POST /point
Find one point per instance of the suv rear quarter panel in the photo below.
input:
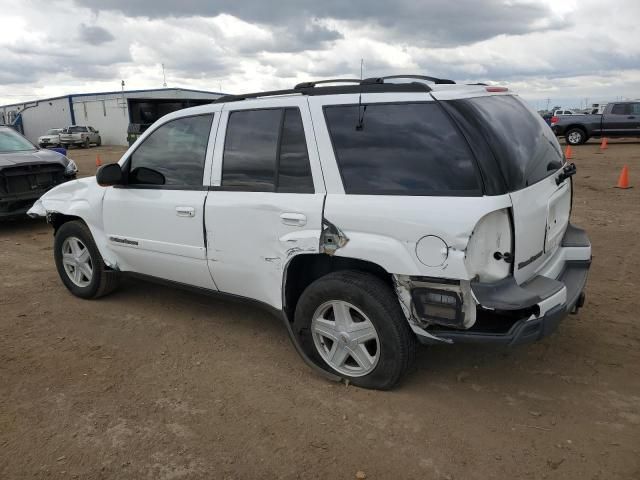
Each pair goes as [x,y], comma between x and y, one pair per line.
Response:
[386,229]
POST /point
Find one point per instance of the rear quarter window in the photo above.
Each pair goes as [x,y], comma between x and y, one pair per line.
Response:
[400,149]
[525,148]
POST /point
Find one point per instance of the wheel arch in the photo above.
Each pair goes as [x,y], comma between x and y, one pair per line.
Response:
[304,269]
[579,127]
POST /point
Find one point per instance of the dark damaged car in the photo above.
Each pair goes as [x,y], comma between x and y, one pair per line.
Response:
[27,172]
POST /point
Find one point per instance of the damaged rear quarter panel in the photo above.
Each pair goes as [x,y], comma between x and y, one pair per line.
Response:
[79,198]
[385,229]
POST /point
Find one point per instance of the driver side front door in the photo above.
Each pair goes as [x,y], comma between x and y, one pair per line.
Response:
[154,222]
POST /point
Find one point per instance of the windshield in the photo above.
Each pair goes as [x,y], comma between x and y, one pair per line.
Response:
[75,129]
[53,131]
[12,141]
[521,141]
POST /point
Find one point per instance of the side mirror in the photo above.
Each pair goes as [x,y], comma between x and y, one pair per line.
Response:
[109,174]
[96,131]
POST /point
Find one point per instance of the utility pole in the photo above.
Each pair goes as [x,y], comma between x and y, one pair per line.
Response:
[164,78]
[124,104]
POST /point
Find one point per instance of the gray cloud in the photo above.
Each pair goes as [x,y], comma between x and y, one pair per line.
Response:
[251,45]
[440,22]
[94,35]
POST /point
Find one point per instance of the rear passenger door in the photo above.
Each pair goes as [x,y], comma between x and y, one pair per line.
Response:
[267,198]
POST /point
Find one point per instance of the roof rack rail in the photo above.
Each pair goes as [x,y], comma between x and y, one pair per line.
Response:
[363,86]
[332,80]
[422,77]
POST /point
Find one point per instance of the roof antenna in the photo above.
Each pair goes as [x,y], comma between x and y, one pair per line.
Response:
[360,124]
[164,78]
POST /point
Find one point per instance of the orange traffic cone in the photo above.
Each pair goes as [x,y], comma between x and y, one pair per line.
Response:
[623,180]
[98,161]
[603,144]
[568,153]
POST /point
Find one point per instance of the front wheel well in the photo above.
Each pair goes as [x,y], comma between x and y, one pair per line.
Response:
[304,269]
[58,219]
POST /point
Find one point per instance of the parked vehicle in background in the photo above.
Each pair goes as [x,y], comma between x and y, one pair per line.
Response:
[370,216]
[27,172]
[547,117]
[50,139]
[619,119]
[80,135]
[558,113]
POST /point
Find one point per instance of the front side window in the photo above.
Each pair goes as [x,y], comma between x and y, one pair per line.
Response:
[174,154]
[12,141]
[266,151]
[400,149]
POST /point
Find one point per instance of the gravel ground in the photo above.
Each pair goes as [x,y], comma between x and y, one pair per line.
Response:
[156,383]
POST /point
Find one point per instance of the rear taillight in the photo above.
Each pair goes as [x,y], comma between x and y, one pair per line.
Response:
[554,119]
[489,253]
[496,89]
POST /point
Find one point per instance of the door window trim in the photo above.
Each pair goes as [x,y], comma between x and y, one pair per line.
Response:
[141,186]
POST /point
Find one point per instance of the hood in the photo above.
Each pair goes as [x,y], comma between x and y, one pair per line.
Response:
[11,159]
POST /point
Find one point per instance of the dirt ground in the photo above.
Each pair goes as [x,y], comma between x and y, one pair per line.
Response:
[155,383]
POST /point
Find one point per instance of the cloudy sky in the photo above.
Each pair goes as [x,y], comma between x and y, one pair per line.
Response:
[565,50]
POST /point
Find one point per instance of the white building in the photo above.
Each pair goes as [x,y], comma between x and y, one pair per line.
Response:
[109,112]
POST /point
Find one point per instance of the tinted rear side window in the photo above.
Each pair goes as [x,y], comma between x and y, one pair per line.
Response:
[621,109]
[250,150]
[294,171]
[266,151]
[401,149]
[524,146]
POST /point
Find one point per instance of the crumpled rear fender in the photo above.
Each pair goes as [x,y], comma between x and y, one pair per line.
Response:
[79,198]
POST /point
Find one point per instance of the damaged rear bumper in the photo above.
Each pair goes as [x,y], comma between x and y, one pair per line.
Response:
[511,314]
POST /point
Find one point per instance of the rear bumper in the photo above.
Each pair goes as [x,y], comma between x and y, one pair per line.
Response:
[538,306]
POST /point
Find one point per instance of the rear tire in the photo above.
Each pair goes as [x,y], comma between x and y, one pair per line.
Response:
[384,354]
[575,136]
[80,264]
[86,143]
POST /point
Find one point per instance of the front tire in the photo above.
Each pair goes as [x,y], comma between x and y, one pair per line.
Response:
[79,262]
[575,136]
[351,323]
[99,142]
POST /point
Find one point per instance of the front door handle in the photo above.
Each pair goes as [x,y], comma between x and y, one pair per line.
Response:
[185,211]
[293,219]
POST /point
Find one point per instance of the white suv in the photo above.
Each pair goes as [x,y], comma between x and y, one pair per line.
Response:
[368,214]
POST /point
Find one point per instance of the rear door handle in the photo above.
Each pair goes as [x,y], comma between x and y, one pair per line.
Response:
[185,211]
[294,219]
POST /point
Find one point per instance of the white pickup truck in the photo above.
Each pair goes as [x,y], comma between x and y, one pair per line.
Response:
[80,135]
[370,215]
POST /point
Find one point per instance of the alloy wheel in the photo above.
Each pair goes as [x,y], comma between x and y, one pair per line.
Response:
[345,338]
[77,262]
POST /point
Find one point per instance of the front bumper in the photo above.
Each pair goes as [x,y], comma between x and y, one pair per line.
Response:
[18,205]
[512,314]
